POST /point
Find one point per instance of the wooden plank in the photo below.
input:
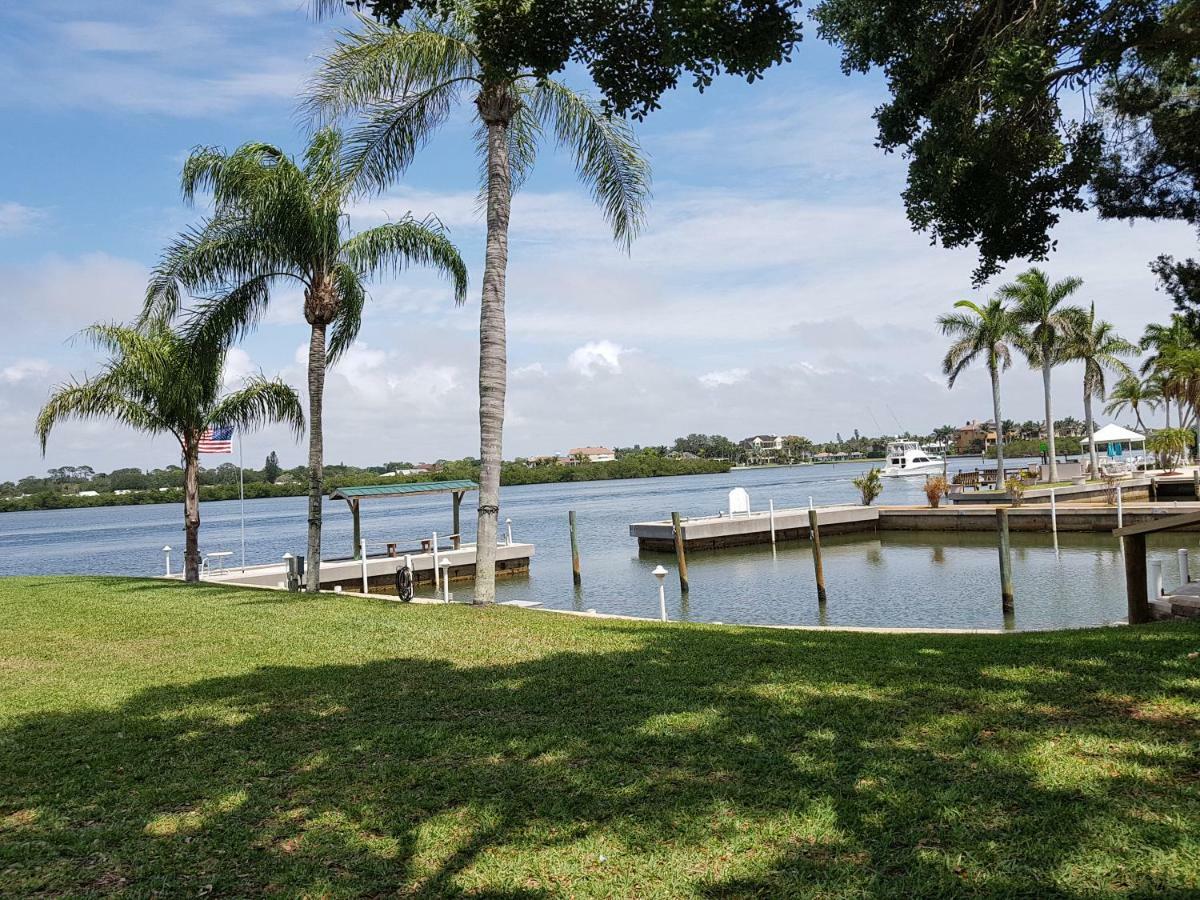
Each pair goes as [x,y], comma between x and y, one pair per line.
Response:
[1159,525]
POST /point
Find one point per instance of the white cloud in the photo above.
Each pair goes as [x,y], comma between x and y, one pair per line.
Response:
[724,377]
[596,356]
[16,218]
[24,370]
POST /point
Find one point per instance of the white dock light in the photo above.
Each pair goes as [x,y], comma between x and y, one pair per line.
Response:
[445,564]
[167,551]
[508,530]
[661,574]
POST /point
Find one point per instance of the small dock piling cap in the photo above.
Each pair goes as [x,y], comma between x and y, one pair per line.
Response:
[659,572]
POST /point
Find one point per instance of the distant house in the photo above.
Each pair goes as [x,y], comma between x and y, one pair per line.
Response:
[761,448]
[534,462]
[974,436]
[591,455]
[88,494]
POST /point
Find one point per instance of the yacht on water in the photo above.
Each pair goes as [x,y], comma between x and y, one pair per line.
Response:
[909,458]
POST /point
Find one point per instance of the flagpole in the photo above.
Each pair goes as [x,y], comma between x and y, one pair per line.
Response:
[242,496]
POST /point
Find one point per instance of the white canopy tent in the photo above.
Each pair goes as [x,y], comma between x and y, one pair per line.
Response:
[1112,434]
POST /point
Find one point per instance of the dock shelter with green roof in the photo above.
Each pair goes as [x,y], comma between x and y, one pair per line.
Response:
[355,495]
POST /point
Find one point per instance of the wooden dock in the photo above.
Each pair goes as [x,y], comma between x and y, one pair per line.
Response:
[719,532]
[511,559]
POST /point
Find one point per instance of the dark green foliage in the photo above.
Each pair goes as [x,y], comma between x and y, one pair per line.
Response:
[271,470]
[984,97]
[222,483]
[634,51]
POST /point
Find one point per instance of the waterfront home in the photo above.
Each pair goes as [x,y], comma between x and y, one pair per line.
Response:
[974,437]
[590,455]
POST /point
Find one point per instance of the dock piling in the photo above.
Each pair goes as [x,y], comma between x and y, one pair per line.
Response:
[814,532]
[1136,593]
[1006,585]
[436,575]
[1184,573]
[1054,520]
[771,507]
[575,575]
[1154,582]
[1120,509]
[1196,482]
[362,555]
[680,554]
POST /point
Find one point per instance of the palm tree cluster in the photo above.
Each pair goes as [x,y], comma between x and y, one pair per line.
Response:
[277,221]
[1032,316]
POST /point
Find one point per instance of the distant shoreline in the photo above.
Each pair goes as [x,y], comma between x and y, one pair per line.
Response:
[635,466]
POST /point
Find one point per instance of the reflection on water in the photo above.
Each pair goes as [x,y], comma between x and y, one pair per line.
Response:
[921,579]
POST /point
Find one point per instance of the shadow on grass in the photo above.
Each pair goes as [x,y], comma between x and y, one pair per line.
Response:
[684,760]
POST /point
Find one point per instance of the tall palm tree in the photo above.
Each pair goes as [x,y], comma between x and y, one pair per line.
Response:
[987,331]
[1135,394]
[1040,307]
[405,81]
[1096,344]
[157,382]
[277,222]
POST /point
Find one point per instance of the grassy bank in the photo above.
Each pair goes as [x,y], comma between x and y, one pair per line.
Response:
[192,741]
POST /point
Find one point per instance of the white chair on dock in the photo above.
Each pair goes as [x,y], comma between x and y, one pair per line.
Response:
[739,503]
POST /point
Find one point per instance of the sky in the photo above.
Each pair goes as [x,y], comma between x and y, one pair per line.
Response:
[776,288]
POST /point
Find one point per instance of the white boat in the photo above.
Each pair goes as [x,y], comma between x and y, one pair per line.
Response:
[910,458]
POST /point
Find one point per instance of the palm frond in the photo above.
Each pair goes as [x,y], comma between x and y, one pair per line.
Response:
[398,245]
[390,135]
[259,402]
[381,64]
[608,158]
[346,325]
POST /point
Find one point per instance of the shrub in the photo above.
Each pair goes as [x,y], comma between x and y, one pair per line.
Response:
[1015,486]
[936,487]
[1110,488]
[869,485]
[1169,445]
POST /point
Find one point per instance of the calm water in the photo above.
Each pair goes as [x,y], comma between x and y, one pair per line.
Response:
[895,579]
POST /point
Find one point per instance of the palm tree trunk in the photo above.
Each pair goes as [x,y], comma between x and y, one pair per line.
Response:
[1050,449]
[496,107]
[1087,418]
[316,454]
[191,510]
[1138,415]
[994,371]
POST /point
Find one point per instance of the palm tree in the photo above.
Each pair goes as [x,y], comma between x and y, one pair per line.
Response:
[1135,394]
[1096,344]
[987,331]
[275,222]
[1167,363]
[405,81]
[157,382]
[1039,307]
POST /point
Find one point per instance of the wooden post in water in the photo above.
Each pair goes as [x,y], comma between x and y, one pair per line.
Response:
[1196,482]
[1006,585]
[814,532]
[680,555]
[575,576]
[1153,489]
[1136,593]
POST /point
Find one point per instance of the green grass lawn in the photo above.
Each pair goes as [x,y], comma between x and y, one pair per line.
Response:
[161,739]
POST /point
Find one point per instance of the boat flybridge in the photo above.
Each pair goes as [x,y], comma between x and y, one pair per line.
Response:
[909,458]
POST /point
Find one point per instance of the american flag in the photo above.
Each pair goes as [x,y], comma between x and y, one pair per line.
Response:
[217,440]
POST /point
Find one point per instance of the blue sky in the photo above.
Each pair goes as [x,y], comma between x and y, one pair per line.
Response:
[777,287]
